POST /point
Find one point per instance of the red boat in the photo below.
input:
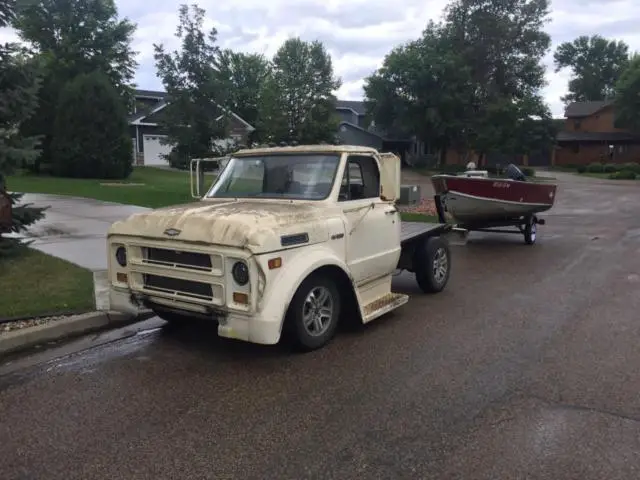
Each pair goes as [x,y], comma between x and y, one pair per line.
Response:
[477,202]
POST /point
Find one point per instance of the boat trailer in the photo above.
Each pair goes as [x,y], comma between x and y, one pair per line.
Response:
[522,225]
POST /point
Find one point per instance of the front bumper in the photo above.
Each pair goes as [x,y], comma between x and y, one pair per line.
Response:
[254,328]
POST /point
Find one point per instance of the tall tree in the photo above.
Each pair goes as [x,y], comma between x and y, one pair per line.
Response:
[196,113]
[298,103]
[596,64]
[627,97]
[91,135]
[19,84]
[72,37]
[245,75]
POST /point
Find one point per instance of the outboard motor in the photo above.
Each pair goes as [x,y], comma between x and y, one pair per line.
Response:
[514,173]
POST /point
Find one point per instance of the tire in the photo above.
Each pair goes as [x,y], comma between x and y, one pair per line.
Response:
[306,331]
[530,232]
[432,265]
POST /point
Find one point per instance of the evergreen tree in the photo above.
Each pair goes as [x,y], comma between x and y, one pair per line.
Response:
[91,138]
[19,83]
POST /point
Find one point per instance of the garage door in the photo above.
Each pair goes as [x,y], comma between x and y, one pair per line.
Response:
[153,150]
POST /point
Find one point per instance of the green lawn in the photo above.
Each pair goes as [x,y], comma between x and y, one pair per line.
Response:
[36,284]
[605,176]
[147,187]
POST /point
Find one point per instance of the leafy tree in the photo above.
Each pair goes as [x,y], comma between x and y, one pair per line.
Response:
[596,65]
[196,113]
[298,102]
[245,75]
[19,84]
[91,137]
[72,37]
[627,96]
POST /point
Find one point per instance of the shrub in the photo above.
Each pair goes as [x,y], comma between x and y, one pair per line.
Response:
[610,168]
[90,135]
[623,175]
[595,168]
[633,167]
[581,169]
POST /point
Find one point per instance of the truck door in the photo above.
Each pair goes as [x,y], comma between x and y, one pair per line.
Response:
[372,225]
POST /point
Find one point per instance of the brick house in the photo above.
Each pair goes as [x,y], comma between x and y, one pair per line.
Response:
[590,135]
[146,132]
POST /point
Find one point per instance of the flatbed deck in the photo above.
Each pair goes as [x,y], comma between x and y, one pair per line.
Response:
[412,230]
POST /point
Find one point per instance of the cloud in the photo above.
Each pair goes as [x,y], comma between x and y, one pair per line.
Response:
[357,33]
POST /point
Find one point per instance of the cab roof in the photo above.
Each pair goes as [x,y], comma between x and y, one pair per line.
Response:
[247,152]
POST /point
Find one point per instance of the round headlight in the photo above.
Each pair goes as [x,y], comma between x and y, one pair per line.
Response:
[240,273]
[121,256]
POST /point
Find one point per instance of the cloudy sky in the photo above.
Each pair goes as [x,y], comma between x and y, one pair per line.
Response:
[357,33]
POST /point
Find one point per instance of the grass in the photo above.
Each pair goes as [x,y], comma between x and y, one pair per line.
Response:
[605,176]
[36,284]
[147,187]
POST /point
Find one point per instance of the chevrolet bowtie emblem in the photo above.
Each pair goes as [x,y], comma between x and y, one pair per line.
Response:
[172,232]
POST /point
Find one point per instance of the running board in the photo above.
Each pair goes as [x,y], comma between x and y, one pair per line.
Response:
[382,305]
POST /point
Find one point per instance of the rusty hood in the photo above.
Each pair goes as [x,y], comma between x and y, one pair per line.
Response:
[255,225]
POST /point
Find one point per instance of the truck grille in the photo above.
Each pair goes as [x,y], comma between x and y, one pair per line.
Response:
[182,259]
[176,286]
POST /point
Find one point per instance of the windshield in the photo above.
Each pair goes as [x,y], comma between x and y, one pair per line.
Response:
[292,176]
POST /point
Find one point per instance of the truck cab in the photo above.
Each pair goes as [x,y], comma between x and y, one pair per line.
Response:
[288,241]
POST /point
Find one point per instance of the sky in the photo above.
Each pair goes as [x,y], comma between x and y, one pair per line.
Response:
[358,33]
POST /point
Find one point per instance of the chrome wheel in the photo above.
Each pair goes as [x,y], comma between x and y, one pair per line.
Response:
[532,235]
[317,311]
[440,265]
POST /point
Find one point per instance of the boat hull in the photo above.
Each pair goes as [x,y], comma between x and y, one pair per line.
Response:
[481,200]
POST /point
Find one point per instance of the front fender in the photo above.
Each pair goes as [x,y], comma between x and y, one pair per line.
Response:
[296,266]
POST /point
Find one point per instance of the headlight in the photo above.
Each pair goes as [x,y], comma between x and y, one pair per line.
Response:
[240,273]
[121,256]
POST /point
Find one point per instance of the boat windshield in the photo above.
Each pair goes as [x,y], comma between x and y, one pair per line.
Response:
[291,176]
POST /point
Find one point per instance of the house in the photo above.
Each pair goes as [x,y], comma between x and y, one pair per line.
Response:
[355,128]
[147,133]
[589,135]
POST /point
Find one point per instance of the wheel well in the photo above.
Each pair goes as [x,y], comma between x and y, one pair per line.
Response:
[350,309]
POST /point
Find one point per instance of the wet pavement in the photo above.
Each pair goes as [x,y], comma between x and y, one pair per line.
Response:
[526,366]
[75,228]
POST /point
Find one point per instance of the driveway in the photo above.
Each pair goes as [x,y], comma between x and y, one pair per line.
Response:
[75,228]
[524,367]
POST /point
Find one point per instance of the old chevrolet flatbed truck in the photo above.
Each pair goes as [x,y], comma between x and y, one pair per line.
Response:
[287,242]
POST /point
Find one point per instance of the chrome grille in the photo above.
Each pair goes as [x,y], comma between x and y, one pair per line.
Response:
[177,286]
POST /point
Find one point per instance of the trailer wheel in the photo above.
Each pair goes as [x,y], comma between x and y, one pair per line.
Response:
[432,264]
[313,314]
[530,230]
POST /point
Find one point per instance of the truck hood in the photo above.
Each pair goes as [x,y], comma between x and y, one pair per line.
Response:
[255,225]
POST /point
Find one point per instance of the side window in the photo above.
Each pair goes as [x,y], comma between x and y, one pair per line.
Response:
[361,179]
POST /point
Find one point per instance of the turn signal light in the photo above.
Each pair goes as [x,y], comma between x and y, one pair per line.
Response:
[122,277]
[274,263]
[241,298]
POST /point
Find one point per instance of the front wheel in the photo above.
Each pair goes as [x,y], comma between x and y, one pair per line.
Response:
[313,314]
[432,264]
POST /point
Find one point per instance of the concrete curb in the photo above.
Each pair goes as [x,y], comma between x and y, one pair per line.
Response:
[61,329]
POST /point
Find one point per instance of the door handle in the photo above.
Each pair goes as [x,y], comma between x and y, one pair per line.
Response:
[391,212]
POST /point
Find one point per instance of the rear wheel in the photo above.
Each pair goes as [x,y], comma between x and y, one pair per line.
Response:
[313,314]
[432,264]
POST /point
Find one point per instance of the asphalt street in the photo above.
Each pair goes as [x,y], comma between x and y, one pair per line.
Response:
[525,367]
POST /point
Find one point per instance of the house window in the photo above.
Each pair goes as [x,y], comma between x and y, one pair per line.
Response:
[623,148]
[577,124]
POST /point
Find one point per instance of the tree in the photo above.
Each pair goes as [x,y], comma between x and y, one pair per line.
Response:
[91,137]
[627,96]
[72,37]
[245,76]
[196,113]
[19,84]
[298,102]
[596,65]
